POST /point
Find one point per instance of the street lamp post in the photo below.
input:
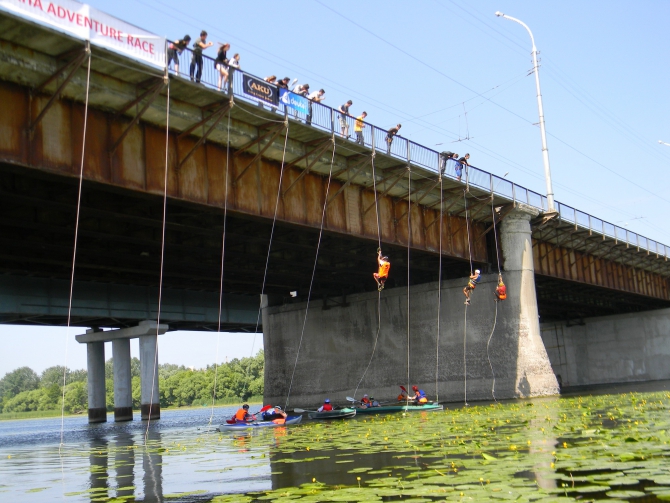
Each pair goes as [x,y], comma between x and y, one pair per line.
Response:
[545,150]
[664,143]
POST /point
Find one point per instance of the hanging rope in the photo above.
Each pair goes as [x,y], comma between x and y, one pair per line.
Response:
[465,323]
[267,258]
[74,251]
[379,292]
[160,281]
[439,302]
[311,282]
[223,254]
[495,319]
[409,239]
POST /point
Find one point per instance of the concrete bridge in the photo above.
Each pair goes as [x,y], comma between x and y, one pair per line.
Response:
[565,268]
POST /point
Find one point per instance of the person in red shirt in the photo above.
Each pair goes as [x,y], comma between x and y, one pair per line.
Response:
[383,273]
[501,289]
[326,407]
[365,401]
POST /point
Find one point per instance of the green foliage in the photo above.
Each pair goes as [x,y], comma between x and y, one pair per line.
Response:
[24,391]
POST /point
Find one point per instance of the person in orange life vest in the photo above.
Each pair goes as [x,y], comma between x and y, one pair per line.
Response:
[243,416]
[472,283]
[419,395]
[384,265]
[326,407]
[402,396]
[365,401]
[501,289]
[373,402]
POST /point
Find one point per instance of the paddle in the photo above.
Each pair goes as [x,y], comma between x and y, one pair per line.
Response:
[301,411]
[349,399]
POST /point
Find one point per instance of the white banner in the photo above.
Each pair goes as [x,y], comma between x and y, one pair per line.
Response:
[88,23]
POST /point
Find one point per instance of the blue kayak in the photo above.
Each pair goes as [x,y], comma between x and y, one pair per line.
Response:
[259,424]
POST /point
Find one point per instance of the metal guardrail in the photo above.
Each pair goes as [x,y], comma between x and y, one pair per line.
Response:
[328,119]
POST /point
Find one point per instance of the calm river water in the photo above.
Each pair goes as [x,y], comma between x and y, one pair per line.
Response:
[610,446]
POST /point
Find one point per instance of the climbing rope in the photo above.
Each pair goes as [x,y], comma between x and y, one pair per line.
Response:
[409,239]
[495,319]
[74,251]
[465,323]
[439,301]
[311,283]
[379,292]
[223,254]
[267,258]
[160,281]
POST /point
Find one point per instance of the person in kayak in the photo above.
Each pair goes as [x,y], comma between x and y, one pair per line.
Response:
[243,416]
[326,407]
[501,289]
[472,283]
[365,401]
[373,402]
[383,273]
[419,396]
[275,414]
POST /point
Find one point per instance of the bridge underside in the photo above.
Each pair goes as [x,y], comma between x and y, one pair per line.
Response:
[120,244]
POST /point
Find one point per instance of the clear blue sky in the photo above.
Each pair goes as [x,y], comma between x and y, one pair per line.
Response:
[427,63]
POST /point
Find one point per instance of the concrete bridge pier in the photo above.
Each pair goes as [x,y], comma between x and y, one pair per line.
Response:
[147,331]
[150,400]
[123,393]
[95,360]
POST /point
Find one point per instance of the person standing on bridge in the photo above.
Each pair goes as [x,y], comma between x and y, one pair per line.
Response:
[344,113]
[316,97]
[389,137]
[358,128]
[383,273]
[221,64]
[462,164]
[175,49]
[196,61]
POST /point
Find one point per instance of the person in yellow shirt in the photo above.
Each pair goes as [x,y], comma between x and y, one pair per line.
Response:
[383,272]
[358,128]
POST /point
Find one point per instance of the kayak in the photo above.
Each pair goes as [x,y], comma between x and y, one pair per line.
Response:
[259,424]
[333,414]
[400,408]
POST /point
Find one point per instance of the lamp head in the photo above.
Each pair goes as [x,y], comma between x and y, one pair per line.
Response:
[498,13]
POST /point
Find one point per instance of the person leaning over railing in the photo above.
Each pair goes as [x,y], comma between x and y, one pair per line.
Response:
[344,113]
[462,164]
[175,49]
[196,60]
[358,128]
[389,137]
[317,97]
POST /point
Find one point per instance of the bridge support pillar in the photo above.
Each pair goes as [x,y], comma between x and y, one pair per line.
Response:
[123,393]
[97,399]
[519,323]
[150,400]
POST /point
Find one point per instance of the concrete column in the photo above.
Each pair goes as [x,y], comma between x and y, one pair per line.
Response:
[123,393]
[520,321]
[149,376]
[95,360]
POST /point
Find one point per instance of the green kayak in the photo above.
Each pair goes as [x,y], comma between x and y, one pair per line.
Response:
[400,408]
[333,414]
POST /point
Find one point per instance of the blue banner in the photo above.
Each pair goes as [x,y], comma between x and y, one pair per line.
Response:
[294,101]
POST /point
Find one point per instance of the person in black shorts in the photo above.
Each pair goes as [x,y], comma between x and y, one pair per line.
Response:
[221,64]
[196,61]
[389,137]
[175,49]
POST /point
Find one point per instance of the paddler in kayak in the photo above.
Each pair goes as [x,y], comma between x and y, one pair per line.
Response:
[365,401]
[326,407]
[419,396]
[383,273]
[275,414]
[373,402]
[243,416]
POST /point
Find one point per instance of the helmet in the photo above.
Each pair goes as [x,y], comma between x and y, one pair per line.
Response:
[372,398]
[365,396]
[415,388]
[245,406]
[385,258]
[327,400]
[277,407]
[477,271]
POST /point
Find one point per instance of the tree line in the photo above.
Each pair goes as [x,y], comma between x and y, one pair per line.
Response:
[23,390]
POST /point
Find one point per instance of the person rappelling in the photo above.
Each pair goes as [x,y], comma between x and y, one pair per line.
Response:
[383,273]
[472,283]
[501,289]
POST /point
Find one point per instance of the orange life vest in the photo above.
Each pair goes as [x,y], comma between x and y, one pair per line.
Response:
[241,415]
[384,269]
[502,291]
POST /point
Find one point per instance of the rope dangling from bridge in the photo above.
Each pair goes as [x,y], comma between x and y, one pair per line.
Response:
[160,282]
[465,323]
[409,240]
[223,254]
[379,292]
[311,282]
[495,319]
[439,300]
[76,237]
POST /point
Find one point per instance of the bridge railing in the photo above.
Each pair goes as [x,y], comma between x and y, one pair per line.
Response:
[328,119]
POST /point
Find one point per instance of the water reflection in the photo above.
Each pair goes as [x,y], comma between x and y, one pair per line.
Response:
[152,464]
[99,477]
[124,464]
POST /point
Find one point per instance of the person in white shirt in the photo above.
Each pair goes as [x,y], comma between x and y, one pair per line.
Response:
[317,97]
